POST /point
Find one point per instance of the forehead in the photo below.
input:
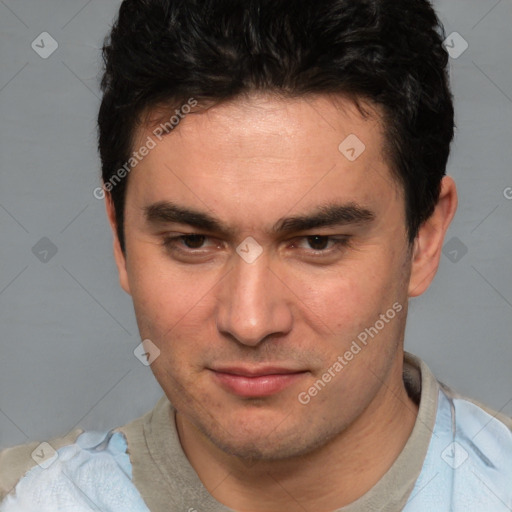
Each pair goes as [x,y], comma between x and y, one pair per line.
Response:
[260,149]
[265,121]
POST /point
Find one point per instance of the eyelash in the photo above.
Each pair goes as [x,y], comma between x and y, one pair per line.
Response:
[338,244]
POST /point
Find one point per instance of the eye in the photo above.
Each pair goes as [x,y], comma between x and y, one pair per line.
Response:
[317,242]
[193,241]
[187,242]
[323,243]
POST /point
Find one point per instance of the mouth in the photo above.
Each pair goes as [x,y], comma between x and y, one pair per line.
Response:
[256,382]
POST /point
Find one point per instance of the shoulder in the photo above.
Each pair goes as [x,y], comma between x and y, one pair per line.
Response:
[422,383]
[38,464]
[16,461]
[471,409]
[478,451]
[469,460]
[91,473]
[482,435]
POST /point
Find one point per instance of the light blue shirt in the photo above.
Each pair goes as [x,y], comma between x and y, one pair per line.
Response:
[468,468]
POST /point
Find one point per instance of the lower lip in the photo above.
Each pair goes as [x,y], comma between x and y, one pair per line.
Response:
[260,386]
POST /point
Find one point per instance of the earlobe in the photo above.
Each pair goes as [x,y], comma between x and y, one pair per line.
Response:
[119,256]
[428,243]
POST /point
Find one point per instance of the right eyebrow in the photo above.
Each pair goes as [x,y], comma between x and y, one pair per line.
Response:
[164,212]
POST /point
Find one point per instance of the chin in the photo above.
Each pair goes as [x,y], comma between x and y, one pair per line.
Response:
[261,450]
[266,442]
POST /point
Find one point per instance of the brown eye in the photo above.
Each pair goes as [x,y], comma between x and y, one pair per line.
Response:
[317,242]
[193,241]
[317,247]
[192,244]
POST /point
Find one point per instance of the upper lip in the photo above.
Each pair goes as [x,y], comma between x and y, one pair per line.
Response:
[258,371]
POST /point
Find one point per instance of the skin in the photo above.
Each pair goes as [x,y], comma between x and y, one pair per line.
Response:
[250,163]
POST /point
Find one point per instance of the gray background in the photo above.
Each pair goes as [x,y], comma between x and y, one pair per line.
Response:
[68,330]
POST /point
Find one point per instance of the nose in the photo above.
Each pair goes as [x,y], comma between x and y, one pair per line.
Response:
[253,303]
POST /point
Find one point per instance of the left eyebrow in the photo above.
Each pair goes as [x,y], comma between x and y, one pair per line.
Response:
[329,215]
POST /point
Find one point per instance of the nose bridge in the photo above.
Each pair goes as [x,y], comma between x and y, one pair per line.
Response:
[252,304]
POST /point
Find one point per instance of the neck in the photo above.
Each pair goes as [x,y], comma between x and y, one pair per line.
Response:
[328,478]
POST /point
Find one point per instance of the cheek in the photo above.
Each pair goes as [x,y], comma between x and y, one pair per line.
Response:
[174,310]
[164,295]
[347,298]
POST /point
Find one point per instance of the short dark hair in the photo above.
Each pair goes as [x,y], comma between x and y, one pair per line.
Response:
[388,53]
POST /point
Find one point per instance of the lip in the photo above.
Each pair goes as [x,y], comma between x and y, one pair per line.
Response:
[256,382]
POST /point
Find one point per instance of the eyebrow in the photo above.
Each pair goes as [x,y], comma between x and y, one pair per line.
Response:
[331,214]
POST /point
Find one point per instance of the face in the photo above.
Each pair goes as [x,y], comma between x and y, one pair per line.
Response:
[270,267]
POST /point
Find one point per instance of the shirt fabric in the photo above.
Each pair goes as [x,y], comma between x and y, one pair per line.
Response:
[458,458]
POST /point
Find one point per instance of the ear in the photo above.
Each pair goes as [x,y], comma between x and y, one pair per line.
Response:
[428,243]
[118,253]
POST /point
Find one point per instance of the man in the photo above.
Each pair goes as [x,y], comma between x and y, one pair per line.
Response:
[274,175]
